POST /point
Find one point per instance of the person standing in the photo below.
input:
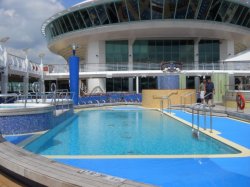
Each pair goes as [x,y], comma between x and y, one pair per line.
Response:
[209,91]
[202,90]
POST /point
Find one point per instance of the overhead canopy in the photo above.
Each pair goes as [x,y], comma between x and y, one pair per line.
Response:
[244,56]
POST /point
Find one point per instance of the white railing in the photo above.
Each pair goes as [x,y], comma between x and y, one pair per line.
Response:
[19,64]
[124,66]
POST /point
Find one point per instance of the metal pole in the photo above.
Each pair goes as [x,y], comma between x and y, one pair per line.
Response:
[211,122]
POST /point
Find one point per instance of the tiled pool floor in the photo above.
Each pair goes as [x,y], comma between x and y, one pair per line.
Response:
[182,171]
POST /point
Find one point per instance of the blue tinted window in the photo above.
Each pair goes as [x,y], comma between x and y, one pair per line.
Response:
[111,11]
[237,14]
[246,20]
[230,12]
[145,9]
[73,21]
[181,9]
[133,10]
[209,51]
[58,27]
[204,7]
[79,20]
[169,9]
[193,5]
[242,16]
[157,9]
[63,25]
[122,11]
[86,18]
[67,22]
[222,12]
[93,16]
[214,10]
[102,14]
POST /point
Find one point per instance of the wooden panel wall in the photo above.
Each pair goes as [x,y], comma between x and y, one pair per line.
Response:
[149,97]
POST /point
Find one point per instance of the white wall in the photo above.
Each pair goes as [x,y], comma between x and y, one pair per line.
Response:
[97,85]
[226,49]
[95,57]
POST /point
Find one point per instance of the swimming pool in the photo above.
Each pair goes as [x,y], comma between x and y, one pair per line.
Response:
[125,132]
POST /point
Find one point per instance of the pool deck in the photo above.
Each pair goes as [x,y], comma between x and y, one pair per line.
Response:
[47,172]
[196,171]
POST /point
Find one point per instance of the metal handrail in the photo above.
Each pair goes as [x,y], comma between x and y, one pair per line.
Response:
[166,98]
[203,106]
[183,98]
[43,96]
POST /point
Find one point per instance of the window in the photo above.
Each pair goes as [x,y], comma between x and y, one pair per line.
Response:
[145,10]
[122,11]
[117,51]
[157,9]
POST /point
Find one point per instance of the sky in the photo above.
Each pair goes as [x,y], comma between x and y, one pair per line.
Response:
[21,21]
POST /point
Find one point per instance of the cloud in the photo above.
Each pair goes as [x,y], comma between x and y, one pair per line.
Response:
[22,20]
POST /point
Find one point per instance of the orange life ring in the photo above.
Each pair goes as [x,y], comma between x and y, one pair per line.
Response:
[240,99]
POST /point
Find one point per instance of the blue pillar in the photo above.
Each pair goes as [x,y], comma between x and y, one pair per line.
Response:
[74,77]
[168,82]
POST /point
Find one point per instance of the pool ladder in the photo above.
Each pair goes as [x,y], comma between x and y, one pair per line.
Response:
[201,107]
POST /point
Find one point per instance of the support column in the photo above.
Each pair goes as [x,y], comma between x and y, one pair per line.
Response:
[4,83]
[96,62]
[137,85]
[197,84]
[226,51]
[41,80]
[196,54]
[26,77]
[130,64]
[74,76]
[130,85]
[5,75]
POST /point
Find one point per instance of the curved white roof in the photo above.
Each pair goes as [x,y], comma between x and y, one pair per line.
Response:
[244,56]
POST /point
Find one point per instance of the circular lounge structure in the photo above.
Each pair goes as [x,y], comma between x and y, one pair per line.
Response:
[122,43]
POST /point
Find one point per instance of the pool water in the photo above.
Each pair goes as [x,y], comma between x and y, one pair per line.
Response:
[125,132]
[11,106]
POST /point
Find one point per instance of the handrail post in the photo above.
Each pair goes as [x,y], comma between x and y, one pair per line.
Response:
[161,106]
[205,117]
[193,117]
[198,119]
[211,122]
